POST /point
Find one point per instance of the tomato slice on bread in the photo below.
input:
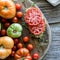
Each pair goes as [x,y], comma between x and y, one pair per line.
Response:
[32,16]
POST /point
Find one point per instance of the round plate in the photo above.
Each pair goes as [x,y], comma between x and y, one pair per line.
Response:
[41,46]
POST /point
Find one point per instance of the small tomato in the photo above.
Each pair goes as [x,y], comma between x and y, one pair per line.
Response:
[19,14]
[30,46]
[18,6]
[19,45]
[15,20]
[35,56]
[25,39]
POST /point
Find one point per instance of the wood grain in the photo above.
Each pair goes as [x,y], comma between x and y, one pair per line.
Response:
[54,51]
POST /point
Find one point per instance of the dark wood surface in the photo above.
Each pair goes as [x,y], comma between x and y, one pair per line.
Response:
[53,17]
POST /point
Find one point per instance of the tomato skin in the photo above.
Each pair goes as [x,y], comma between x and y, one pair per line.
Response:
[16,41]
[19,45]
[22,52]
[3,32]
[7,24]
[3,20]
[29,57]
[19,14]
[16,56]
[28,54]
[14,48]
[12,53]
[25,39]
[30,47]
[15,20]
[18,6]
[35,56]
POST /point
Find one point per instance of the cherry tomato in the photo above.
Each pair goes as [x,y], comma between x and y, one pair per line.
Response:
[28,54]
[16,56]
[19,14]
[14,48]
[19,45]
[16,41]
[17,59]
[7,24]
[26,59]
[15,20]
[35,56]
[30,46]
[12,53]
[18,6]
[3,32]
[29,57]
[3,20]
[26,39]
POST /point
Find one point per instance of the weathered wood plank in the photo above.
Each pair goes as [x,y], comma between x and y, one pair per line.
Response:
[54,51]
[52,13]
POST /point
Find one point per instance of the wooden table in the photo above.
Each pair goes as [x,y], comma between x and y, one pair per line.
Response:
[53,17]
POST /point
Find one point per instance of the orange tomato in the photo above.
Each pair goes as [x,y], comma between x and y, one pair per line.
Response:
[19,45]
[25,39]
[19,14]
[15,20]
[16,56]
[30,46]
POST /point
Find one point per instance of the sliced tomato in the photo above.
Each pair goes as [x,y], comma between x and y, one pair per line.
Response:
[33,16]
[37,30]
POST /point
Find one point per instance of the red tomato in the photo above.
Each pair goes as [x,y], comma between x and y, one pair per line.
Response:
[3,32]
[18,6]
[16,56]
[26,39]
[19,14]
[14,48]
[35,56]
[3,20]
[28,57]
[30,46]
[15,20]
[33,16]
[29,54]
[37,30]
[7,24]
[12,53]
[16,41]
[19,45]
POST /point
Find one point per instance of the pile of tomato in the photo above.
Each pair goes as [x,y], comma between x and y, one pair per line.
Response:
[19,51]
[34,20]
